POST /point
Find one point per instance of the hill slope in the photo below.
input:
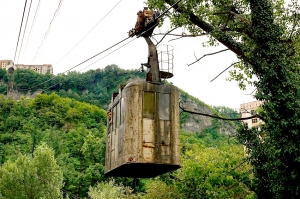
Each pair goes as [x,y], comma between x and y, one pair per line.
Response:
[96,87]
[76,132]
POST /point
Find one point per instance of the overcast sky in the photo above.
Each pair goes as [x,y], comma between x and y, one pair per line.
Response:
[76,18]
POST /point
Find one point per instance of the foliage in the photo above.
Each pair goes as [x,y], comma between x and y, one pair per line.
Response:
[218,171]
[214,110]
[226,111]
[32,177]
[159,189]
[75,130]
[3,75]
[264,34]
[110,190]
[93,86]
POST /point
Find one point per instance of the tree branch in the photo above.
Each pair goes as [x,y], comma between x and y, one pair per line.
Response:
[166,35]
[240,30]
[240,17]
[178,35]
[220,13]
[181,36]
[224,71]
[234,14]
[208,55]
[252,92]
[224,39]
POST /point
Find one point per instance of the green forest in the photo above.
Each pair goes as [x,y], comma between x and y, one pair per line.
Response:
[53,145]
[94,86]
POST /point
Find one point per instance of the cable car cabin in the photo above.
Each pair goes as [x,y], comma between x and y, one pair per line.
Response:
[143,131]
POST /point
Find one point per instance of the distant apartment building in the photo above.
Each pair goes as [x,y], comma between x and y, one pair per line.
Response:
[6,64]
[248,110]
[41,69]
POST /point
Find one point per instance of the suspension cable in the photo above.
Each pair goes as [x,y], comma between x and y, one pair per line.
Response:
[20,30]
[106,49]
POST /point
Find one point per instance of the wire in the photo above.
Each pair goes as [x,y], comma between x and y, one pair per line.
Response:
[109,53]
[24,31]
[32,25]
[91,64]
[224,71]
[105,50]
[88,32]
[79,63]
[49,28]
[20,30]
[221,118]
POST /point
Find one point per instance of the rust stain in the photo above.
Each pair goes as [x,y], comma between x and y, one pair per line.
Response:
[148,145]
[130,159]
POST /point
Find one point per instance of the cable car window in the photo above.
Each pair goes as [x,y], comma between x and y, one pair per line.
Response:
[118,114]
[164,106]
[122,110]
[115,118]
[149,105]
[109,118]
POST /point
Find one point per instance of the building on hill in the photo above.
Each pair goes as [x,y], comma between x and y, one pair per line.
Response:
[41,69]
[6,64]
[248,110]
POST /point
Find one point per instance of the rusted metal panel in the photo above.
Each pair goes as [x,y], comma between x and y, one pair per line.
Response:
[148,131]
[149,140]
[116,143]
[148,153]
[108,151]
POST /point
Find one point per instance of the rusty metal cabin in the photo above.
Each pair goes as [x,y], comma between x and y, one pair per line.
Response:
[143,131]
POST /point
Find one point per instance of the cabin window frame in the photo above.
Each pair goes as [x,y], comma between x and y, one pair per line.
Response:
[122,115]
[148,110]
[164,106]
[114,118]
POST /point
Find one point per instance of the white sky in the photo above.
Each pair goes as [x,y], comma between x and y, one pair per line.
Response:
[77,17]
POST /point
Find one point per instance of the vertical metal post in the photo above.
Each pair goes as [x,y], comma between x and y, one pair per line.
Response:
[153,75]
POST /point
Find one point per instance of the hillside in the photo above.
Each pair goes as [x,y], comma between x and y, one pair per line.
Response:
[96,87]
[76,131]
[66,125]
[93,86]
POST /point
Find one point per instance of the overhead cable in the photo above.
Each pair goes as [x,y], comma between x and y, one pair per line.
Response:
[217,117]
[88,32]
[32,25]
[105,50]
[91,64]
[24,31]
[49,28]
[80,63]
[20,30]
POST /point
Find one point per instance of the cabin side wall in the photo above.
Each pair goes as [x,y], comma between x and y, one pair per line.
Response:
[132,124]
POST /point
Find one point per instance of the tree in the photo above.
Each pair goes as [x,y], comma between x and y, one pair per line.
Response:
[74,130]
[264,34]
[27,177]
[207,172]
[110,190]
